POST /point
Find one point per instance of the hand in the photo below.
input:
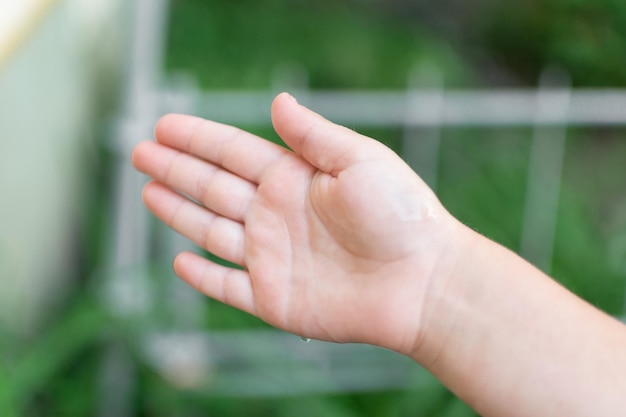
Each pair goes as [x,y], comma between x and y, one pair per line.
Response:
[338,239]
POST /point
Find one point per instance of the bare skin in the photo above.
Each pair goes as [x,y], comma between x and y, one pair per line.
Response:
[340,240]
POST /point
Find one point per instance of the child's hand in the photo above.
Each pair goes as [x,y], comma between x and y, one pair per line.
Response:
[339,240]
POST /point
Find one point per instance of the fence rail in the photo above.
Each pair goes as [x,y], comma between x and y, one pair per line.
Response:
[420,110]
[549,111]
[457,108]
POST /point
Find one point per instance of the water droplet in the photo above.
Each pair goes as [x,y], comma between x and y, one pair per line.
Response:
[305,339]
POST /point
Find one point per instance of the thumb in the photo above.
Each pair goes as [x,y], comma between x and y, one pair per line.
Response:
[327,146]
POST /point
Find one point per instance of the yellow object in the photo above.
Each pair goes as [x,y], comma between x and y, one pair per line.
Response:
[18,19]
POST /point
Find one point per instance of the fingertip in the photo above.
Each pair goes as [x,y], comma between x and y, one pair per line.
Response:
[281,103]
[179,264]
[138,154]
[164,124]
[187,268]
[287,117]
[147,192]
[319,141]
[154,195]
[170,127]
[135,155]
[286,97]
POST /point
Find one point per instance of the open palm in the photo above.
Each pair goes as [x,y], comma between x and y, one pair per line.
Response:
[339,239]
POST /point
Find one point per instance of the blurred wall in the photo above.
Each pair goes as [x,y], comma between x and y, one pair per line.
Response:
[61,58]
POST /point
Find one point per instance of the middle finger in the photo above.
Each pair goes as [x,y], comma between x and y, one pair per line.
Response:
[220,191]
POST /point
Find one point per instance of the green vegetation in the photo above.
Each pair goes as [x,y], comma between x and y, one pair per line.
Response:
[585,37]
[239,44]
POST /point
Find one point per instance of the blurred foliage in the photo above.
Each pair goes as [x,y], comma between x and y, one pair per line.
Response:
[53,374]
[590,251]
[240,44]
[587,38]
[512,41]
[483,177]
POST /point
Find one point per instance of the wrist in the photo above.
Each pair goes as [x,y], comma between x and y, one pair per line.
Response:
[444,298]
[503,336]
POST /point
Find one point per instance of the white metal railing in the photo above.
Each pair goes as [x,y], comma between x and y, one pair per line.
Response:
[422,110]
[549,109]
[461,108]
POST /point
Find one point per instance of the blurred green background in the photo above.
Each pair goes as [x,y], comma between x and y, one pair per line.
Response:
[56,364]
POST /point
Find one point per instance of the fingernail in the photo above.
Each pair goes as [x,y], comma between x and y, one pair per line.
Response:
[292,98]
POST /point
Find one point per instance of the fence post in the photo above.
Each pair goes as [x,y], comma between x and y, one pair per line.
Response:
[420,145]
[186,307]
[126,290]
[544,169]
[293,78]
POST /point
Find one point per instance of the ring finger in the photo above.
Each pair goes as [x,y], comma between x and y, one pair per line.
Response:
[221,236]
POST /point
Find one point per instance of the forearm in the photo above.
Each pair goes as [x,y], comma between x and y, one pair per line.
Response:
[512,342]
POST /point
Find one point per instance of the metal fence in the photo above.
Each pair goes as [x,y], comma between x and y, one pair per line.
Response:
[283,364]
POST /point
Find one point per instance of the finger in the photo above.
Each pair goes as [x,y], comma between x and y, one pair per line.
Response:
[220,236]
[239,152]
[217,189]
[327,146]
[227,285]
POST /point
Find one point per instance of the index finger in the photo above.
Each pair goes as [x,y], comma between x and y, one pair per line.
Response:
[233,149]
